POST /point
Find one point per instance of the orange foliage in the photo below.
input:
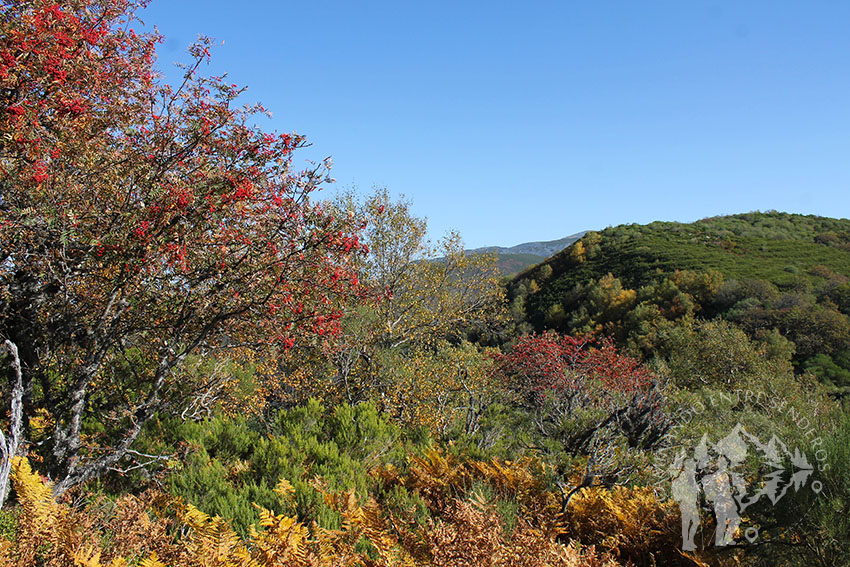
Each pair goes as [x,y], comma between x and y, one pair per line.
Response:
[154,531]
[631,523]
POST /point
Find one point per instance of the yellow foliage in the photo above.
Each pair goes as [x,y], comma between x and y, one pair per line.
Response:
[283,540]
[610,299]
[437,476]
[50,535]
[35,496]
[285,489]
[213,540]
[152,561]
[46,530]
[631,523]
[435,389]
[578,253]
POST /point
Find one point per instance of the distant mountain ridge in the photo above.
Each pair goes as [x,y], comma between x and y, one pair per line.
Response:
[544,248]
[514,259]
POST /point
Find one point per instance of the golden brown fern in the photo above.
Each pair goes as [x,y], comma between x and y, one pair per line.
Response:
[281,541]
[632,523]
[212,541]
[46,534]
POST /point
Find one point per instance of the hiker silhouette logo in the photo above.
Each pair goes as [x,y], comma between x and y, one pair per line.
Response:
[711,474]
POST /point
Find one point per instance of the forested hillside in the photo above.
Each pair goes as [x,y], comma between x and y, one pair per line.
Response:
[208,362]
[765,273]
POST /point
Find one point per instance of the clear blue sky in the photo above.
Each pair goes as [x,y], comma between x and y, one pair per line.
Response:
[513,121]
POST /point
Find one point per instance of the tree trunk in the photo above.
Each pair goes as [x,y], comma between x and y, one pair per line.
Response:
[79,473]
[9,447]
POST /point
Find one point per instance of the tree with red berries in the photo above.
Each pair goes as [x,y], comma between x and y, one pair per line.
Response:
[587,400]
[141,224]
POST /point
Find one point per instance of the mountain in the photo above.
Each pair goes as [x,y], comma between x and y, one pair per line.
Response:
[769,274]
[773,246]
[514,259]
[544,249]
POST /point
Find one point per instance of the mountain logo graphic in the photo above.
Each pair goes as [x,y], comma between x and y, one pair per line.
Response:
[713,470]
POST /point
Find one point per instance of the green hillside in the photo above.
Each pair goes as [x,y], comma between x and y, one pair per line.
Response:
[772,246]
[762,271]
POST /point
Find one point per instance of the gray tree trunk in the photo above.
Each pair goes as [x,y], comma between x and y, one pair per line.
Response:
[10,447]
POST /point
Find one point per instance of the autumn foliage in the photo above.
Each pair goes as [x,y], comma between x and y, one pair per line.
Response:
[211,367]
[468,533]
[549,365]
[632,523]
[141,223]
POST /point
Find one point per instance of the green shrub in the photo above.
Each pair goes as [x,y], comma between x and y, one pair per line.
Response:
[231,463]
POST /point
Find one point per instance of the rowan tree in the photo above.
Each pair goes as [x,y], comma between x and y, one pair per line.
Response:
[586,400]
[141,223]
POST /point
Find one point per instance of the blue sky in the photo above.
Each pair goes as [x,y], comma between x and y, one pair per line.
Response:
[512,122]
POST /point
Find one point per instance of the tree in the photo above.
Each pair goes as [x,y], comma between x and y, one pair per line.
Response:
[440,387]
[577,253]
[586,399]
[718,354]
[420,294]
[428,291]
[139,224]
[9,448]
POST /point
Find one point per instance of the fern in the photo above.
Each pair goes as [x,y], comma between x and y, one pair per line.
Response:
[632,523]
[281,541]
[214,540]
[152,561]
[35,496]
[45,532]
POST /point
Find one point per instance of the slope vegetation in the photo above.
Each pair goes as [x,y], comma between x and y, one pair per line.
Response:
[767,273]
